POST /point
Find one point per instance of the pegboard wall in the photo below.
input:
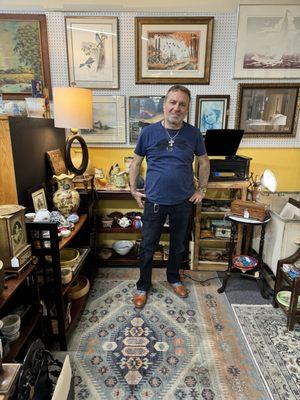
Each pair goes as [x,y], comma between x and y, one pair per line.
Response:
[221,81]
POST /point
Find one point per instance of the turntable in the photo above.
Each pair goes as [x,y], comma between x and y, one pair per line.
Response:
[224,143]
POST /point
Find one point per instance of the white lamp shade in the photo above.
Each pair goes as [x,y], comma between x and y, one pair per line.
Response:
[268,180]
[72,107]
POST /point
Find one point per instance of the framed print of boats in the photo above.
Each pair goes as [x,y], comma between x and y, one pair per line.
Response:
[268,41]
[173,50]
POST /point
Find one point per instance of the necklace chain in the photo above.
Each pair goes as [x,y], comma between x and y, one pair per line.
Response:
[171,140]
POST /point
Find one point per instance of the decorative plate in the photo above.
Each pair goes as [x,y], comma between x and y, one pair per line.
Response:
[244,262]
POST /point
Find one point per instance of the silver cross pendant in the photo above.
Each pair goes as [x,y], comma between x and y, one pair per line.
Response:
[170,146]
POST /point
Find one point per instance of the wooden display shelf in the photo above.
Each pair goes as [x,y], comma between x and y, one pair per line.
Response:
[125,230]
[11,285]
[115,194]
[212,265]
[77,306]
[64,241]
[128,259]
[79,265]
[27,327]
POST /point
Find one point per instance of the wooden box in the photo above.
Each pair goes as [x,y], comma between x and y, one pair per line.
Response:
[256,210]
[13,238]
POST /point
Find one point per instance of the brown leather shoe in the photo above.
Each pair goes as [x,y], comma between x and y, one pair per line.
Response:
[140,299]
[180,290]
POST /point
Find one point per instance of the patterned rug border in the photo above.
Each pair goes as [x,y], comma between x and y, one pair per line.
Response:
[246,340]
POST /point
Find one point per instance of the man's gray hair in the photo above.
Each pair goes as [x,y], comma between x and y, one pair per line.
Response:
[181,88]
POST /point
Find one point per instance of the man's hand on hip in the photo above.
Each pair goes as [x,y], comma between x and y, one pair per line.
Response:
[139,198]
[197,197]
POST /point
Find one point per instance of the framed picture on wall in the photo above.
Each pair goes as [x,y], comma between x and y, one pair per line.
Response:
[92,46]
[23,41]
[173,49]
[143,111]
[108,121]
[268,44]
[268,109]
[212,112]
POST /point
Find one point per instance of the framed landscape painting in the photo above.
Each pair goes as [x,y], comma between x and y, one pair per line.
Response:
[268,109]
[24,54]
[212,112]
[92,46]
[268,41]
[173,49]
[108,121]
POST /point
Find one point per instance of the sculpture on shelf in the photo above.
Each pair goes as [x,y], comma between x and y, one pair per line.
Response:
[66,199]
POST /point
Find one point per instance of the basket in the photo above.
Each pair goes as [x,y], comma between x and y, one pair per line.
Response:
[68,257]
[79,288]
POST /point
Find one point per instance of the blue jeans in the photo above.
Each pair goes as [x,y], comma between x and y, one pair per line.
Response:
[154,219]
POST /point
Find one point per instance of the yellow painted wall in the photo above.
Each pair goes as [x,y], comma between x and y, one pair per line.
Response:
[284,162]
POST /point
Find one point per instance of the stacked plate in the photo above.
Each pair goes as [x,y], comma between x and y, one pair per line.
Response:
[244,263]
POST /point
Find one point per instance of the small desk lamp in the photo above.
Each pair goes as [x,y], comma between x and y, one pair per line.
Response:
[73,109]
[267,180]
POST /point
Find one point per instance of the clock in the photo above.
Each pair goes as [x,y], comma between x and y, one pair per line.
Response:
[13,238]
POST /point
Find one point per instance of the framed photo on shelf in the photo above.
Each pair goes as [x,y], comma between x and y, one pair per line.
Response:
[108,121]
[23,40]
[268,109]
[173,49]
[92,46]
[212,112]
[268,44]
[38,197]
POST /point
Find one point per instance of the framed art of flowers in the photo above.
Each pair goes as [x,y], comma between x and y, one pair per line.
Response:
[211,112]
[108,121]
[173,49]
[24,54]
[92,45]
[268,41]
[268,109]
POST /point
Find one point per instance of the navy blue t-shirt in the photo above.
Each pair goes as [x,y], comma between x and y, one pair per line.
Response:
[170,177]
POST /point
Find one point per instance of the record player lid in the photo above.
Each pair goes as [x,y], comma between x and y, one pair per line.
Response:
[223,142]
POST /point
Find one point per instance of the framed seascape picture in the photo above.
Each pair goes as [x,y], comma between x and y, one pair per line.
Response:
[173,49]
[212,112]
[268,109]
[92,46]
[108,121]
[143,111]
[23,41]
[268,41]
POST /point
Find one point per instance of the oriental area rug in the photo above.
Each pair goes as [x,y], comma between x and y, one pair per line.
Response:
[275,349]
[172,349]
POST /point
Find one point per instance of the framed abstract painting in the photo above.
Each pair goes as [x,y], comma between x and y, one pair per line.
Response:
[268,41]
[92,46]
[212,112]
[23,41]
[173,49]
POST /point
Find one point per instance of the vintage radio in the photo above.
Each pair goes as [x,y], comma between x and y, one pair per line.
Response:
[13,238]
[221,228]
[249,209]
[224,143]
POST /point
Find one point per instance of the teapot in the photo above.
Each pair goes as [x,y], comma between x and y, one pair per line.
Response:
[124,222]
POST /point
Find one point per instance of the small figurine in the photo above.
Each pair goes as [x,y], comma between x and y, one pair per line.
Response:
[114,170]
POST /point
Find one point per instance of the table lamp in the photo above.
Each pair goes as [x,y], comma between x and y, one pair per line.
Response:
[267,181]
[73,109]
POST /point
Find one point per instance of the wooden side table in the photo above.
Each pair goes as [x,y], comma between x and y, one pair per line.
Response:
[236,222]
[284,281]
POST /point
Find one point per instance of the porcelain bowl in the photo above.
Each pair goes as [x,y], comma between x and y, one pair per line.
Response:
[122,247]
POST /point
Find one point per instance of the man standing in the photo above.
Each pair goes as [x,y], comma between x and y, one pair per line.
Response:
[169,147]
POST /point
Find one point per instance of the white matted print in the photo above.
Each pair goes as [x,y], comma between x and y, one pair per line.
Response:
[108,121]
[268,41]
[92,44]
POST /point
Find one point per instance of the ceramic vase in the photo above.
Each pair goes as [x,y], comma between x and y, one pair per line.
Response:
[66,199]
